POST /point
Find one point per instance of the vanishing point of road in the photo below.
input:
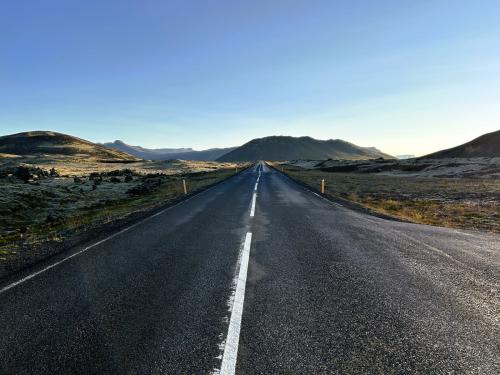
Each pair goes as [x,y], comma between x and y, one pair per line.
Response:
[259,276]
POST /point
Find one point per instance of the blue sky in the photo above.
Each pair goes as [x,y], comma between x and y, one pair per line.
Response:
[404,76]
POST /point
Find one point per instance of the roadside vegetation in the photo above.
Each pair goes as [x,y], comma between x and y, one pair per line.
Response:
[450,202]
[47,202]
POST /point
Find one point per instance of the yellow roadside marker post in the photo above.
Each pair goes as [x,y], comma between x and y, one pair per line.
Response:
[184,185]
[322,186]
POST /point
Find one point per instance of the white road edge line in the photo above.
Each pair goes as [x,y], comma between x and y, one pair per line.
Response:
[252,210]
[325,199]
[230,355]
[311,191]
[24,279]
[12,285]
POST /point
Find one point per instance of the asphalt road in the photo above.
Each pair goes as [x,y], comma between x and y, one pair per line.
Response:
[260,278]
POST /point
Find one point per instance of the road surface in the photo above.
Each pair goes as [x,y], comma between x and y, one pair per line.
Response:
[259,276]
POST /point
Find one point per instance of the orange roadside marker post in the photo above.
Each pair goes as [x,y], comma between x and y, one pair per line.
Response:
[322,186]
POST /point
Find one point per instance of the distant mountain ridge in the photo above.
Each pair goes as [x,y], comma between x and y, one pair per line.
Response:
[294,148]
[487,145]
[142,152]
[267,148]
[169,153]
[49,142]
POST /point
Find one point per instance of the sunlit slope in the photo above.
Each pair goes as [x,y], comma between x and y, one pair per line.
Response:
[52,143]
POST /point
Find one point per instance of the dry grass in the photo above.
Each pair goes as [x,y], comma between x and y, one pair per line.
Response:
[54,208]
[82,165]
[456,203]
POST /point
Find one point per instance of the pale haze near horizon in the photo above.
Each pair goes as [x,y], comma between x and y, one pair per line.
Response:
[405,77]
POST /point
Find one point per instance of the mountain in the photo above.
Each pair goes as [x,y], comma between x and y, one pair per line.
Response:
[487,145]
[145,153]
[402,157]
[47,142]
[291,148]
[169,153]
[209,155]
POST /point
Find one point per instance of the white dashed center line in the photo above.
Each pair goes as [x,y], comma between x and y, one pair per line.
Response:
[230,355]
[252,210]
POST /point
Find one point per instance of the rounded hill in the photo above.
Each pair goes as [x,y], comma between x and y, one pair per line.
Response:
[52,143]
